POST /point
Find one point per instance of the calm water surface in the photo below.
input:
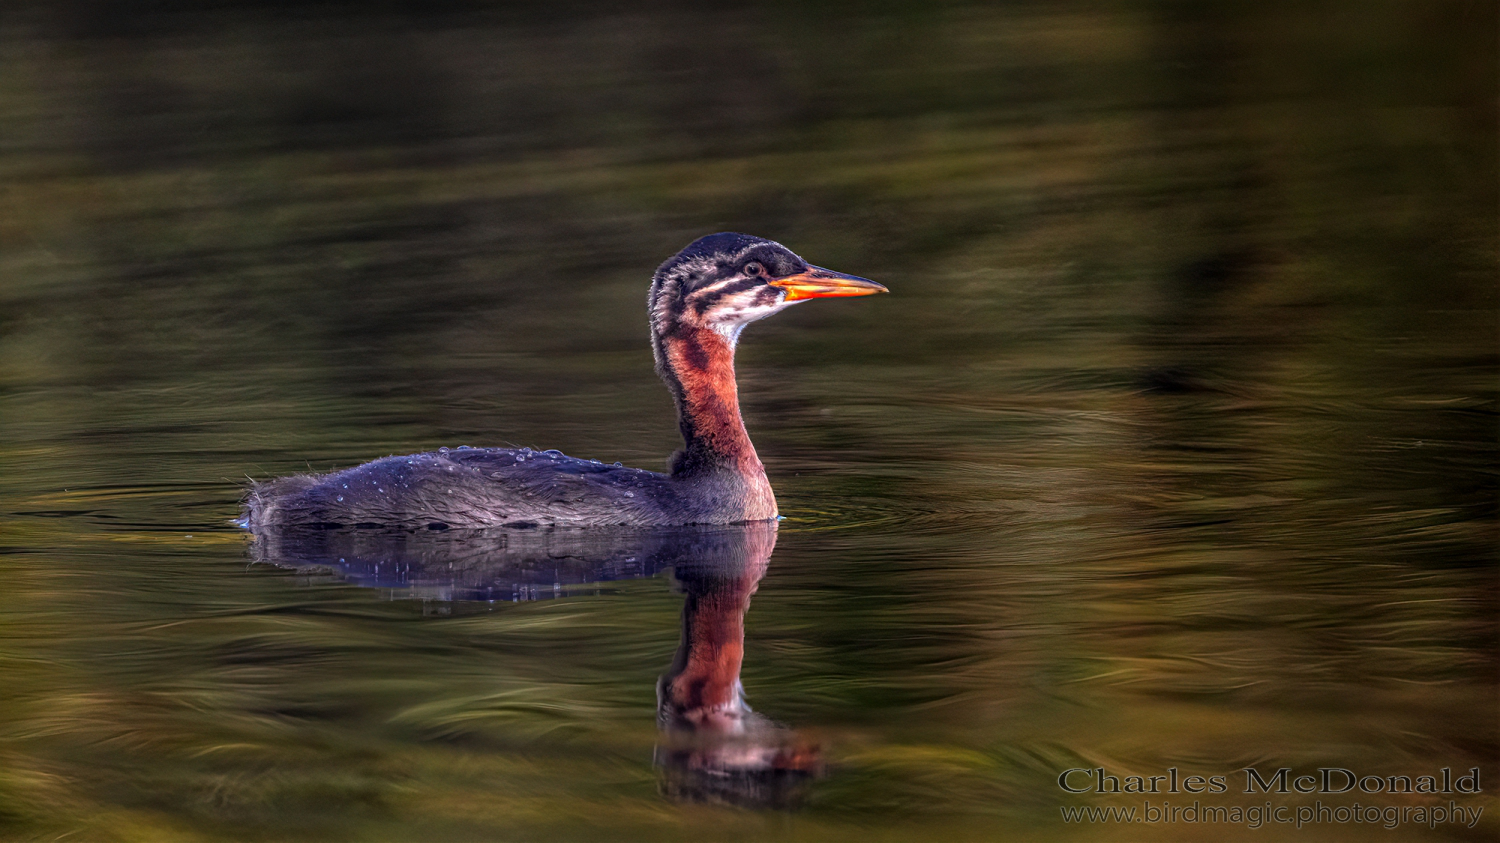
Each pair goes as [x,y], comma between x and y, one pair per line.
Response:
[1174,446]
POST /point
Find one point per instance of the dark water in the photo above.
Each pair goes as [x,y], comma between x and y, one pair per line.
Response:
[1174,446]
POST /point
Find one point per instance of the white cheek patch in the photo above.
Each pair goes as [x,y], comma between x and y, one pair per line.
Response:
[731,315]
[730,332]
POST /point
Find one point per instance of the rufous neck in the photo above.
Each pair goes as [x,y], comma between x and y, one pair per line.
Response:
[698,365]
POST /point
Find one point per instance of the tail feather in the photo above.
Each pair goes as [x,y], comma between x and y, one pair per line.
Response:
[263,503]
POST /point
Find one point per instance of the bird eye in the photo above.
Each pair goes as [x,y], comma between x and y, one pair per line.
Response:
[753,269]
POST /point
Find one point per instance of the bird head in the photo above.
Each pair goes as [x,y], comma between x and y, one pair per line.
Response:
[726,281]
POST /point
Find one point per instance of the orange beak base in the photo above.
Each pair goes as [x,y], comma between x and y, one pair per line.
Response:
[820,283]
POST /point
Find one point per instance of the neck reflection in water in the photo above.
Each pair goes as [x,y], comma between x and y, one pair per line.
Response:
[712,746]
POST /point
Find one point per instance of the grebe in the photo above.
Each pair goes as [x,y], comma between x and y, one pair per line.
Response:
[699,302]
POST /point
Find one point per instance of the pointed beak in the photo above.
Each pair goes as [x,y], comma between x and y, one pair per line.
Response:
[818,283]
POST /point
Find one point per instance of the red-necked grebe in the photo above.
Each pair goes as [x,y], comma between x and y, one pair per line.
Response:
[700,300]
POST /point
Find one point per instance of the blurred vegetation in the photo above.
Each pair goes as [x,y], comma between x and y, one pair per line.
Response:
[1175,445]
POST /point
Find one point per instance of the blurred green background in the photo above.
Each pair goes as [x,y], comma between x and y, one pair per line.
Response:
[1174,445]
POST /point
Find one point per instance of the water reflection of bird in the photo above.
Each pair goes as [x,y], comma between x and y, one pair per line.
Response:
[700,300]
[713,747]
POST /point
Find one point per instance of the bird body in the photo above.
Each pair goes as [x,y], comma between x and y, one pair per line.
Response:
[485,487]
[700,300]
